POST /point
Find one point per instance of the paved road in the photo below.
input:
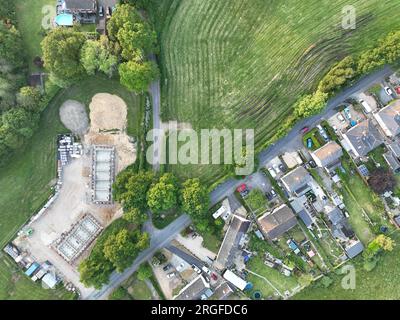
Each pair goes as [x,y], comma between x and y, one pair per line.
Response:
[154,90]
[292,141]
[160,239]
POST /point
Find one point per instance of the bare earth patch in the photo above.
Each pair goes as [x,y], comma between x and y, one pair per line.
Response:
[108,121]
[73,116]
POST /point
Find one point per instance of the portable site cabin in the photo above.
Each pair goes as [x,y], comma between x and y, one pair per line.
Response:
[235,280]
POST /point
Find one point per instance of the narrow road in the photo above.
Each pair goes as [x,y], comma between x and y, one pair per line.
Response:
[154,91]
[160,239]
[292,141]
[190,259]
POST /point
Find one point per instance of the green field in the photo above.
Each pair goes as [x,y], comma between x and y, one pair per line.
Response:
[381,283]
[14,285]
[243,64]
[30,17]
[26,181]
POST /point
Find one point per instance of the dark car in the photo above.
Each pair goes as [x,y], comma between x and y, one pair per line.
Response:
[109,11]
[167,267]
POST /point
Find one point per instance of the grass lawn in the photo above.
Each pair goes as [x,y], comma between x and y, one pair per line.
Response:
[161,223]
[316,139]
[381,283]
[359,200]
[281,282]
[14,285]
[26,181]
[376,157]
[30,16]
[211,241]
[243,64]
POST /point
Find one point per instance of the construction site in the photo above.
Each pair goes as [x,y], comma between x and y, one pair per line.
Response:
[64,230]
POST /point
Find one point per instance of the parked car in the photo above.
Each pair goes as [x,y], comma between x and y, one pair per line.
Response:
[276,168]
[214,276]
[312,164]
[196,269]
[101,11]
[388,91]
[194,235]
[109,12]
[167,267]
[304,130]
[206,270]
[273,193]
[272,172]
[180,267]
[347,113]
[171,275]
[322,132]
[309,143]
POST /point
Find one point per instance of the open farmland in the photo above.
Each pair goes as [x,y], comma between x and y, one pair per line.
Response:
[244,64]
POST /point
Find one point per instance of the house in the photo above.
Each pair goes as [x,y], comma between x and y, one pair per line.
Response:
[274,224]
[397,220]
[292,159]
[392,161]
[296,181]
[79,6]
[328,156]
[301,208]
[354,249]
[230,245]
[394,147]
[362,139]
[223,291]
[389,119]
[194,290]
[340,227]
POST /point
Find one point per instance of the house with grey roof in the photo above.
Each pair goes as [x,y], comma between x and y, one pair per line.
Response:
[230,245]
[362,139]
[222,292]
[339,225]
[194,290]
[328,156]
[296,181]
[389,119]
[301,208]
[79,6]
[392,161]
[274,224]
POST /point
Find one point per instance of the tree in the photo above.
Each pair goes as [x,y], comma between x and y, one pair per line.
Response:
[384,242]
[137,76]
[134,35]
[194,198]
[130,189]
[95,270]
[338,76]
[135,216]
[311,104]
[118,294]
[326,281]
[382,180]
[144,272]
[120,249]
[29,98]
[163,195]
[95,56]
[61,55]
[142,240]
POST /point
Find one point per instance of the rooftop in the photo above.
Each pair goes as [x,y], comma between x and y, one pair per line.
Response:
[276,223]
[236,230]
[354,249]
[296,179]
[363,138]
[389,119]
[193,290]
[328,154]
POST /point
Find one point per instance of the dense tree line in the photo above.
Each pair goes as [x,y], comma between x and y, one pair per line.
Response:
[19,105]
[68,54]
[347,72]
